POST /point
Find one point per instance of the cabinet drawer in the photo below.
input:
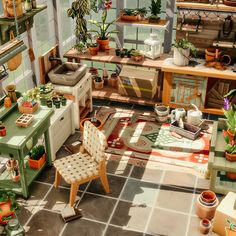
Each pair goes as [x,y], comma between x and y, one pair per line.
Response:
[84,86]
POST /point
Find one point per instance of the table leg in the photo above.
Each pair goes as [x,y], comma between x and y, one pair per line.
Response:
[48,148]
[24,185]
[167,86]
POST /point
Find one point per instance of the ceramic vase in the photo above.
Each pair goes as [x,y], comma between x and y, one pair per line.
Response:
[205,226]
[181,56]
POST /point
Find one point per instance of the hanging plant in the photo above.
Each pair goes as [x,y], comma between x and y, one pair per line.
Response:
[78,10]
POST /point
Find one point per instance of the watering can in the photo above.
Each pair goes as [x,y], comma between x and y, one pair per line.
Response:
[194,117]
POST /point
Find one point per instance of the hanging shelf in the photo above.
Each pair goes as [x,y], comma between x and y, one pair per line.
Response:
[7,24]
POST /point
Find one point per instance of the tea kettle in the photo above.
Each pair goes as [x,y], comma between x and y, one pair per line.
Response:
[194,117]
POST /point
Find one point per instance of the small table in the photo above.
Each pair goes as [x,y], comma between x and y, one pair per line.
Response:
[17,144]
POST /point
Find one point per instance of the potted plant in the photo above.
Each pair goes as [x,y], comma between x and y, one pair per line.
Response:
[155,11]
[15,176]
[137,55]
[49,103]
[142,12]
[8,206]
[118,50]
[93,47]
[78,10]
[182,51]
[102,32]
[230,114]
[98,82]
[113,81]
[63,101]
[3,130]
[128,14]
[37,157]
[80,47]
[231,229]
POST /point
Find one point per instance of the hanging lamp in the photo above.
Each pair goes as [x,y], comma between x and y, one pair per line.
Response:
[11,53]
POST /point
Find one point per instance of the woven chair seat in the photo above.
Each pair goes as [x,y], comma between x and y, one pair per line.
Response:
[77,167]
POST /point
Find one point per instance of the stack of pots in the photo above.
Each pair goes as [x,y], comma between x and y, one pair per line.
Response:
[206,205]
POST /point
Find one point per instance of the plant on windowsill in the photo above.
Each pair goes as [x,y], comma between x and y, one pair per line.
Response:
[128,14]
[230,230]
[8,206]
[142,12]
[37,157]
[230,114]
[78,10]
[98,82]
[137,55]
[102,32]
[183,49]
[93,47]
[155,11]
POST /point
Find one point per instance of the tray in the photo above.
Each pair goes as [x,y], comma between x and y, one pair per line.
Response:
[190,131]
[24,120]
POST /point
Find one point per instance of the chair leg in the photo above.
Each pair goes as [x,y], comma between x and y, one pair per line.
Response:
[104,181]
[73,192]
[57,179]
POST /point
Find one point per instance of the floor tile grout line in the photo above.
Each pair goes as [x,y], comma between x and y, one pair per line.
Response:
[154,204]
[116,204]
[38,207]
[191,208]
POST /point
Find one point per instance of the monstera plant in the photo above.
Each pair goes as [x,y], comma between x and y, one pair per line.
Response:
[78,10]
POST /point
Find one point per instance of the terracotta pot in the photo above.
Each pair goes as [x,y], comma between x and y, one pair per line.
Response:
[229,232]
[8,8]
[5,211]
[103,44]
[205,226]
[3,130]
[206,212]
[231,135]
[98,85]
[128,18]
[113,81]
[211,55]
[230,157]
[208,196]
[231,175]
[15,178]
[93,51]
[137,58]
[37,164]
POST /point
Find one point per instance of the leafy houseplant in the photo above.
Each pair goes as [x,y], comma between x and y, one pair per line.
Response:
[155,11]
[8,206]
[93,47]
[98,82]
[102,32]
[128,14]
[37,157]
[78,10]
[230,114]
[182,51]
[142,12]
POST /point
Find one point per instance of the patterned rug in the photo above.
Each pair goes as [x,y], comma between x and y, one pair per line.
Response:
[137,135]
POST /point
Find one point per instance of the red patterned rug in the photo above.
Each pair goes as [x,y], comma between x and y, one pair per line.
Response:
[137,135]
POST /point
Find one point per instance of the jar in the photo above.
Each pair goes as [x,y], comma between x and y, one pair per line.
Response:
[13,228]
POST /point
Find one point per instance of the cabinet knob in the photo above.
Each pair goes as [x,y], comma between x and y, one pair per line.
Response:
[62,118]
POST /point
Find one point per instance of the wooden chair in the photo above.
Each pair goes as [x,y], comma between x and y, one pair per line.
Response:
[86,165]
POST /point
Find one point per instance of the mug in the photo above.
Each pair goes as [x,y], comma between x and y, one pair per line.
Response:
[194,117]
[177,113]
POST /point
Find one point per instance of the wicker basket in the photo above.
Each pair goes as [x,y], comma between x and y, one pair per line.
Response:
[28,110]
[190,131]
[37,164]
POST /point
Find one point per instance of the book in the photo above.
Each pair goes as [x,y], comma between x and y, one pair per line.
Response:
[71,213]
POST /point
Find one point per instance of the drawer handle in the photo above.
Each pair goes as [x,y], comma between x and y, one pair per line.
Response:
[62,119]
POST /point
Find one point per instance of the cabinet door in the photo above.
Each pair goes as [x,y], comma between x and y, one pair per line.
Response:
[188,89]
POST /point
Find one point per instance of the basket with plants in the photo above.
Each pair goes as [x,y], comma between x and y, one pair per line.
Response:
[37,157]
[137,56]
[128,14]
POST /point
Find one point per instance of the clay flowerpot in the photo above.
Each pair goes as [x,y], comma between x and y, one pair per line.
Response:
[230,156]
[15,176]
[8,8]
[208,196]
[211,54]
[128,18]
[103,44]
[206,212]
[205,226]
[230,135]
[93,51]
[98,85]
[3,130]
[37,164]
[113,81]
[137,58]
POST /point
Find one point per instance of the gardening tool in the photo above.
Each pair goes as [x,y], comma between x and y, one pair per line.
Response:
[30,51]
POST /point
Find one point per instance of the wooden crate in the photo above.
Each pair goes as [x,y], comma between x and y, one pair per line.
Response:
[188,89]
[28,110]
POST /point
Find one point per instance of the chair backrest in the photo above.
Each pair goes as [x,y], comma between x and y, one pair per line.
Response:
[94,141]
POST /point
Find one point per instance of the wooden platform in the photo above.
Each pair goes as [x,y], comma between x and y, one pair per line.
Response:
[112,94]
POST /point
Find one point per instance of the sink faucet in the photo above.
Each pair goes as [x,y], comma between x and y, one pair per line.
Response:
[52,58]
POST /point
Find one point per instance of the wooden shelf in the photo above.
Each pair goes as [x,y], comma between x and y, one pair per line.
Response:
[162,25]
[204,7]
[110,57]
[112,94]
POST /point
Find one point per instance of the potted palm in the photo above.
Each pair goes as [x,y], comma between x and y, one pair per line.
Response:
[230,114]
[155,11]
[102,32]
[231,229]
[37,157]
[182,51]
[78,10]
[8,206]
